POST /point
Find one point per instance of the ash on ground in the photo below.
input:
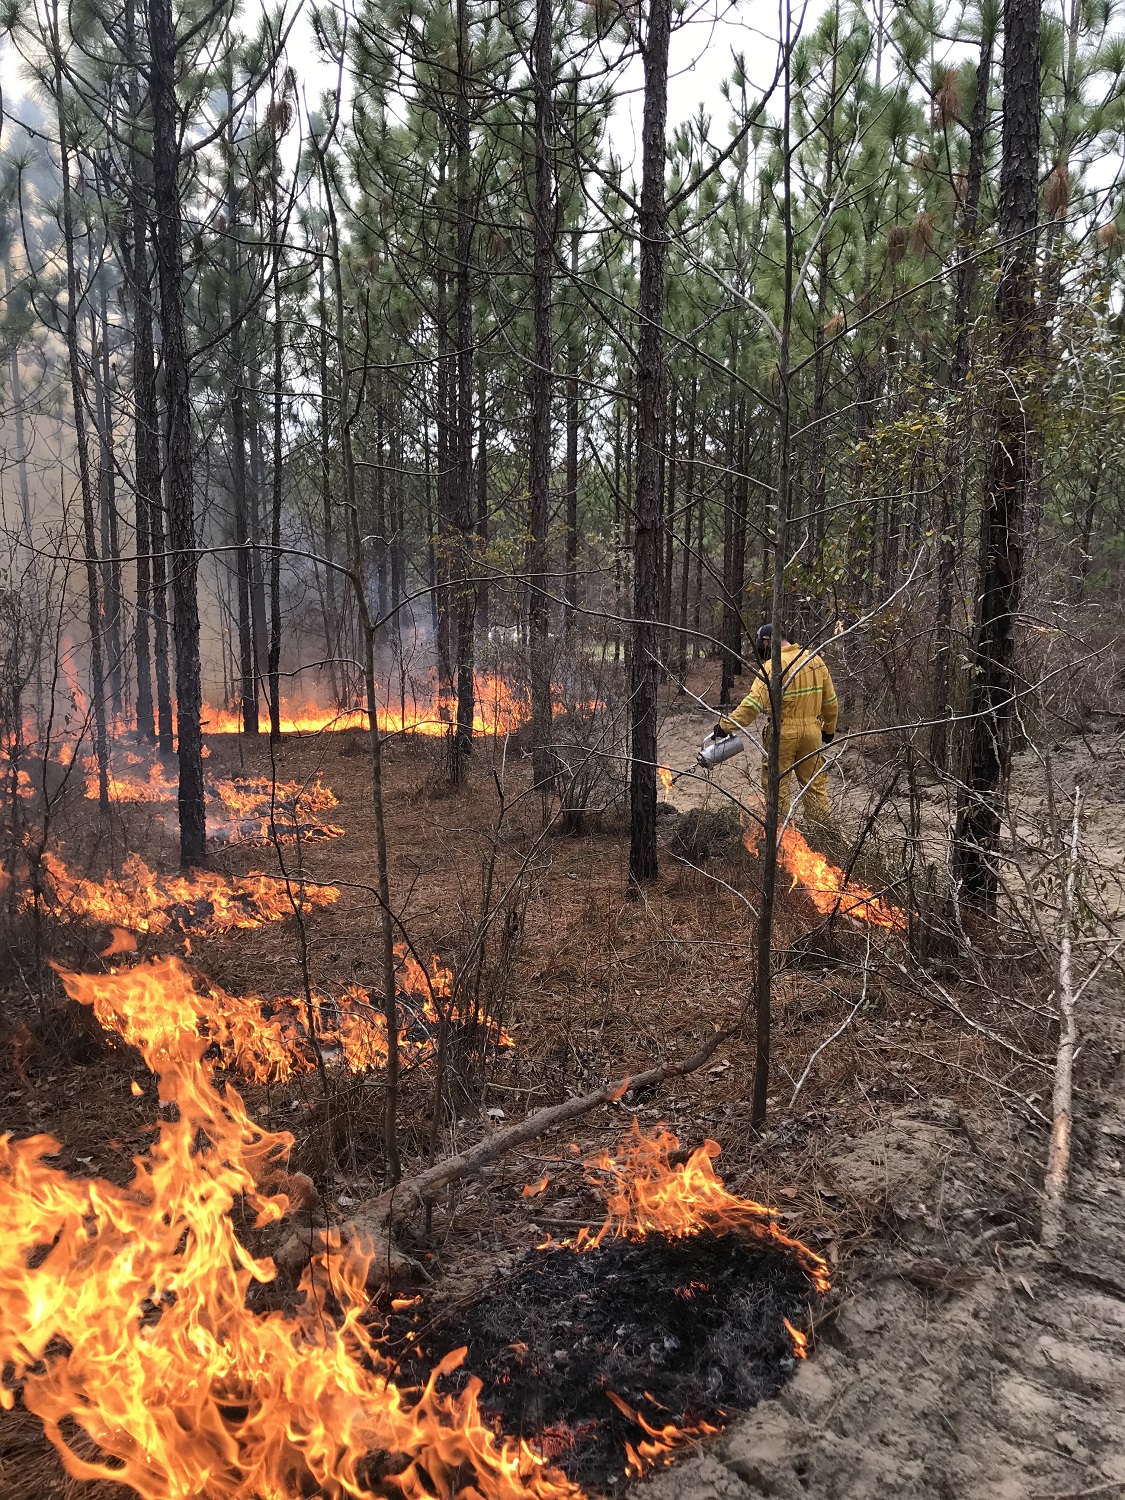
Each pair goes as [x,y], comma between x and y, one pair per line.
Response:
[683,1331]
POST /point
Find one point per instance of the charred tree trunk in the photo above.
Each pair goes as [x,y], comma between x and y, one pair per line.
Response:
[181,507]
[964,292]
[652,230]
[988,749]
[146,440]
[382,552]
[538,611]
[483,592]
[93,603]
[332,613]
[255,491]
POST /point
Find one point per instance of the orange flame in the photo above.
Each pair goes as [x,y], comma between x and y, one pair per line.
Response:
[665,777]
[826,886]
[125,1316]
[645,1193]
[269,1041]
[662,1442]
[120,941]
[141,901]
[497,709]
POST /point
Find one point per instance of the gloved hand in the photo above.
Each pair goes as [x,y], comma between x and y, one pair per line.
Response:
[720,732]
[826,737]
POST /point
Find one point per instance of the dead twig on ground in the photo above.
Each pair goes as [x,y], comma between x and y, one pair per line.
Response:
[1058,1159]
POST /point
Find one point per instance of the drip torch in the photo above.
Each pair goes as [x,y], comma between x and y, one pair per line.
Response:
[718,746]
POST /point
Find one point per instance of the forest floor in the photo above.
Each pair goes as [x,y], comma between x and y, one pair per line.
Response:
[952,1357]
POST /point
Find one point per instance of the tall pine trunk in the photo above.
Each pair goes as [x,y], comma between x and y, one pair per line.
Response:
[181,508]
[573,363]
[107,501]
[93,603]
[274,663]
[652,230]
[965,283]
[988,750]
[540,467]
[461,512]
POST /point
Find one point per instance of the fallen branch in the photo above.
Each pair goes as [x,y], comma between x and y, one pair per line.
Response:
[373,1219]
[1058,1158]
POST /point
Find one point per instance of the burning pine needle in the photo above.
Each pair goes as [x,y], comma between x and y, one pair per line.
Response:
[139,900]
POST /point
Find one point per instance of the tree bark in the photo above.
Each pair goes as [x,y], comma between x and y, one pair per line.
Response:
[964,291]
[274,663]
[181,508]
[107,502]
[538,612]
[643,666]
[989,740]
[93,602]
[574,362]
[462,511]
[332,612]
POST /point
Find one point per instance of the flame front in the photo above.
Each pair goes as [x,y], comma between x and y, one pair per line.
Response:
[647,1194]
[132,1323]
[826,886]
[252,809]
[139,900]
[497,709]
[274,1047]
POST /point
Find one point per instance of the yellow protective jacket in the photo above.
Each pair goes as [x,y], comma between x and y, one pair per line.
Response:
[808,697]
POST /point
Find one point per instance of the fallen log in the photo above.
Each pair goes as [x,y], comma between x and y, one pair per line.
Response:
[373,1220]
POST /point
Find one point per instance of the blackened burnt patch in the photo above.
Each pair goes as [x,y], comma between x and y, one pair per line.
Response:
[684,1331]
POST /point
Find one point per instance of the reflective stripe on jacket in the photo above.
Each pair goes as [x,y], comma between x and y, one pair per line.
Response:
[808,696]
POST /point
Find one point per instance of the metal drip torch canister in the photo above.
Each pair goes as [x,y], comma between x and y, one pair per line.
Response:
[718,747]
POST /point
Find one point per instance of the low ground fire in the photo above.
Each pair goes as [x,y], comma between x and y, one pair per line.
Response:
[830,890]
[127,1317]
[139,900]
[270,1041]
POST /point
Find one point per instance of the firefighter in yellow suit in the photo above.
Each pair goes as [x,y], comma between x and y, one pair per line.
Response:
[809,711]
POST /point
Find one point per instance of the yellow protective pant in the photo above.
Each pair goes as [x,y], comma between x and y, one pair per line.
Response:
[800,756]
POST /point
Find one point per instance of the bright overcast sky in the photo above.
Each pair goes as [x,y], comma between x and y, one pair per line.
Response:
[701,58]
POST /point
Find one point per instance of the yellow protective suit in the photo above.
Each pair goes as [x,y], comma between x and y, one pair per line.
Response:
[809,710]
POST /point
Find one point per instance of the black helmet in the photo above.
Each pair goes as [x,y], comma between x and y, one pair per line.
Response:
[763,641]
